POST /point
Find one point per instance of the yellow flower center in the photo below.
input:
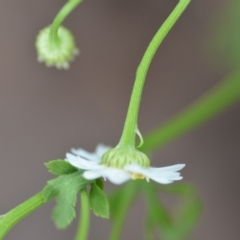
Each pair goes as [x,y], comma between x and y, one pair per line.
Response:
[135,176]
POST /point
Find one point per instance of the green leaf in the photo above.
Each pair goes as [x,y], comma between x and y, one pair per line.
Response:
[65,188]
[100,183]
[188,216]
[190,209]
[60,167]
[158,216]
[175,226]
[98,201]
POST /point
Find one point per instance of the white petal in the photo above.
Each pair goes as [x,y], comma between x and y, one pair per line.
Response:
[114,175]
[172,168]
[86,155]
[95,156]
[163,175]
[93,174]
[101,149]
[81,163]
[117,176]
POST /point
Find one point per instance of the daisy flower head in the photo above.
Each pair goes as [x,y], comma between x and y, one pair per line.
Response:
[121,164]
[56,52]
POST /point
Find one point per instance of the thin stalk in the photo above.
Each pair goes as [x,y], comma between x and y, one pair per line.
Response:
[129,130]
[8,220]
[62,14]
[83,228]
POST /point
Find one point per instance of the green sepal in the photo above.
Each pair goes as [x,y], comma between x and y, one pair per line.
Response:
[60,167]
[65,188]
[98,201]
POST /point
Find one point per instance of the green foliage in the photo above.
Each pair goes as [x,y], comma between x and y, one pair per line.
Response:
[98,201]
[122,198]
[212,103]
[188,217]
[65,188]
[158,218]
[120,202]
[60,167]
[170,225]
[225,37]
[100,183]
[179,225]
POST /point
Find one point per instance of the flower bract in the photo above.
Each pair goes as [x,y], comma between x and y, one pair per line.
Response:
[93,168]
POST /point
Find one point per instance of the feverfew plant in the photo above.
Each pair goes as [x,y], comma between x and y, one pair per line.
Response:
[83,172]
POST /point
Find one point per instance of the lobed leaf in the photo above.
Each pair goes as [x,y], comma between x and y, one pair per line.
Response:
[65,188]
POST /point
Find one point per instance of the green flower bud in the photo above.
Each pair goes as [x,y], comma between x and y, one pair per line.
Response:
[56,52]
[121,156]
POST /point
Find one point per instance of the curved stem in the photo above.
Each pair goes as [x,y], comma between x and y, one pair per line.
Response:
[8,220]
[62,14]
[128,135]
[82,232]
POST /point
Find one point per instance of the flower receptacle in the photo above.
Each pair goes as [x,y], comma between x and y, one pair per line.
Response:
[120,156]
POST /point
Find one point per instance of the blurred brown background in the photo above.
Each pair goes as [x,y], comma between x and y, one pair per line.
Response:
[44,112]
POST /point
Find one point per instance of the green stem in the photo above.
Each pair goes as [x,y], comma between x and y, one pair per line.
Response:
[210,104]
[125,200]
[62,14]
[119,223]
[129,131]
[8,220]
[82,232]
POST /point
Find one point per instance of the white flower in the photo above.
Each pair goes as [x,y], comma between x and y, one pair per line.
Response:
[91,163]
